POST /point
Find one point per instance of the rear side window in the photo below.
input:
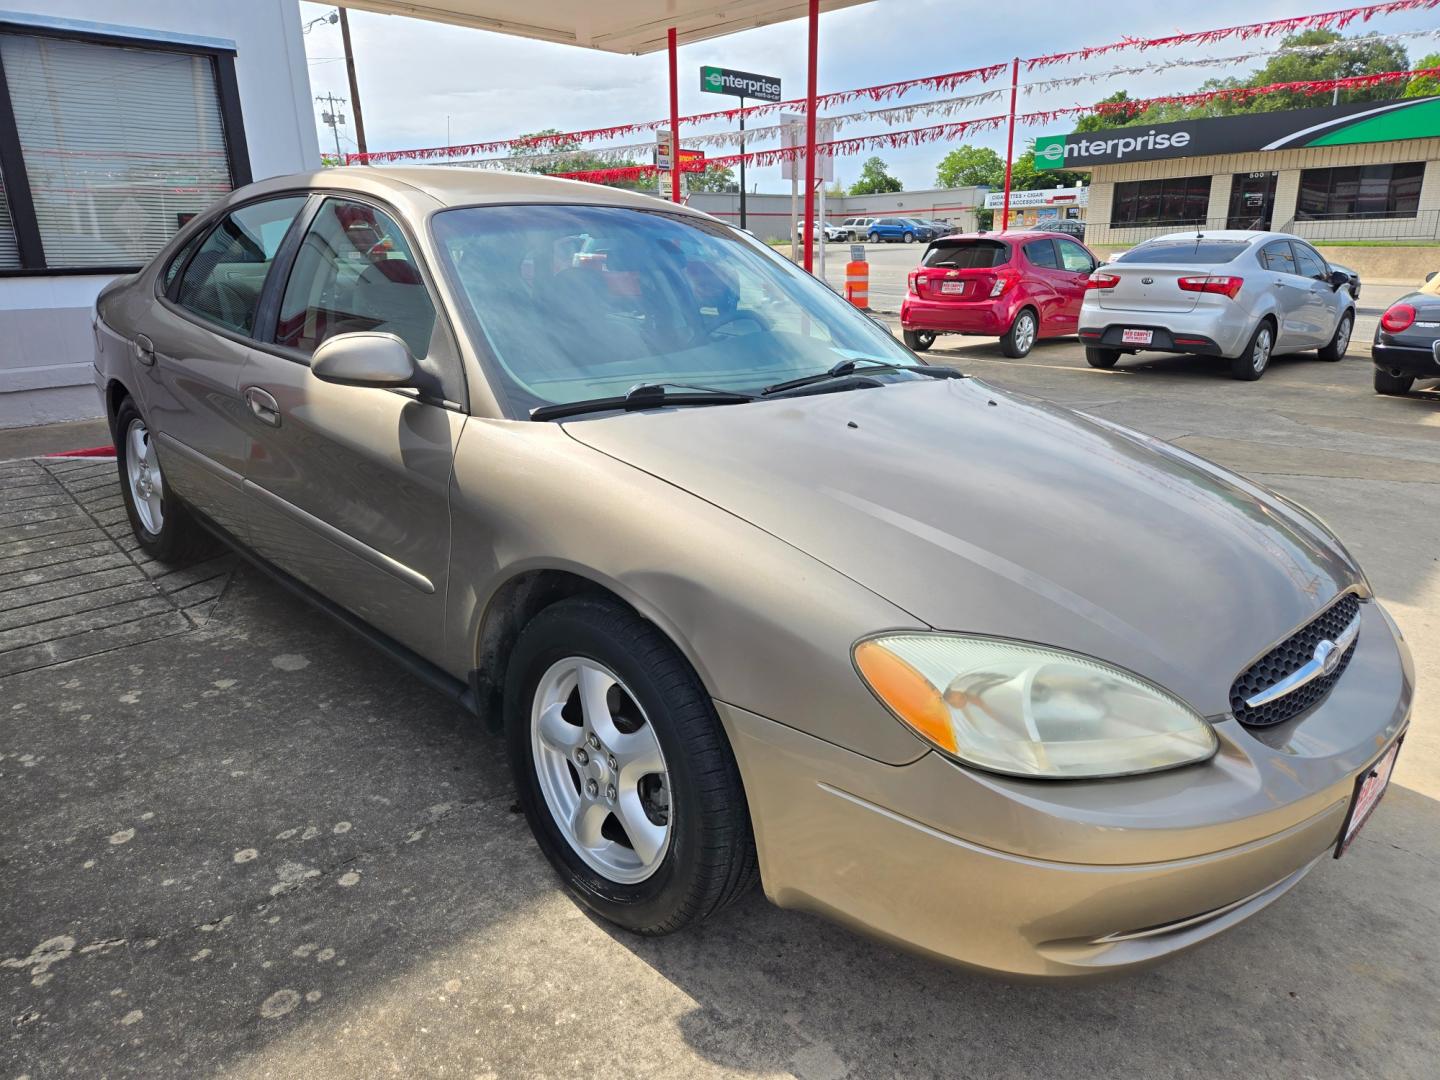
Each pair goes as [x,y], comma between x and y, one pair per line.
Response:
[223,281]
[1041,253]
[178,262]
[354,271]
[1278,257]
[1184,252]
[968,255]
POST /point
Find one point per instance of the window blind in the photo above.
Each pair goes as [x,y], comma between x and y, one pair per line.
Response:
[9,256]
[121,145]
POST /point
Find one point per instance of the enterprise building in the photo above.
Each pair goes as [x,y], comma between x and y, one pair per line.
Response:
[1364,171]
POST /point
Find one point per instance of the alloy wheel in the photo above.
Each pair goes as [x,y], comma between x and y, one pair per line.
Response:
[1024,332]
[1342,336]
[147,485]
[601,770]
[1260,353]
[926,338]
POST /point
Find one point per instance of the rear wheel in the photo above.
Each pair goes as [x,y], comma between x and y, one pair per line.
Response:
[1335,350]
[920,340]
[1395,385]
[623,770]
[1020,338]
[1251,363]
[1101,358]
[158,519]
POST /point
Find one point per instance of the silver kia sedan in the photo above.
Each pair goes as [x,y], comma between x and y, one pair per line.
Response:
[749,590]
[1242,296]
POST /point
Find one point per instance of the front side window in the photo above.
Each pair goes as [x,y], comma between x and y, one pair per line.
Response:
[121,145]
[354,271]
[1310,263]
[1074,258]
[223,280]
[1360,191]
[1173,201]
[569,303]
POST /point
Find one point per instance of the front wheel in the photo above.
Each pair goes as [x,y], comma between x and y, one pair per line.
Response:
[1251,363]
[1335,350]
[909,238]
[623,770]
[1392,385]
[920,340]
[1020,338]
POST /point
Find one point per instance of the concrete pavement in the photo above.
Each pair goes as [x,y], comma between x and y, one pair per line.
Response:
[234,842]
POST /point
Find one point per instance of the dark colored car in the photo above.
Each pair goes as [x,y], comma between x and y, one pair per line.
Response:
[1407,343]
[1060,225]
[1016,286]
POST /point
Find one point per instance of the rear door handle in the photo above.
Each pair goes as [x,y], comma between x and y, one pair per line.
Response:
[144,350]
[263,405]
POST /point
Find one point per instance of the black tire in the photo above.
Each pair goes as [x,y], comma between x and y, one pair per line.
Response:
[180,539]
[1101,358]
[919,340]
[909,238]
[1393,385]
[874,238]
[1251,363]
[1335,349]
[1017,343]
[710,861]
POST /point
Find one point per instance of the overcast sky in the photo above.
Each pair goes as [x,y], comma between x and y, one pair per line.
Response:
[416,76]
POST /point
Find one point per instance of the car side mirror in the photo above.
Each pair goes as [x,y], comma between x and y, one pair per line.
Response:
[363,359]
[1338,280]
[1430,277]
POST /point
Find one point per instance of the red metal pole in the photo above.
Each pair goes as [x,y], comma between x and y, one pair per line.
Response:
[1010,141]
[809,233]
[674,124]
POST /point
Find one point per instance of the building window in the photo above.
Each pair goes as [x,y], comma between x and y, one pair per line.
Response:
[9,254]
[109,146]
[1361,191]
[1183,200]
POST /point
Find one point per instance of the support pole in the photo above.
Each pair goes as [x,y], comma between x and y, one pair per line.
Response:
[355,85]
[742,161]
[810,136]
[1010,141]
[674,123]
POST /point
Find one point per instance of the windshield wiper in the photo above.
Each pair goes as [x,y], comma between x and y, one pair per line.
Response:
[644,396]
[849,367]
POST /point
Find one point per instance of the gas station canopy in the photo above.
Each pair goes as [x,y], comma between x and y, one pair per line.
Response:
[618,26]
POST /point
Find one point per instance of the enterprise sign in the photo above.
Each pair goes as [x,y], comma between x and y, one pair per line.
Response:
[1341,125]
[742,84]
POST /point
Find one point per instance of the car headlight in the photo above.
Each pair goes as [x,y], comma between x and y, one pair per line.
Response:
[1026,710]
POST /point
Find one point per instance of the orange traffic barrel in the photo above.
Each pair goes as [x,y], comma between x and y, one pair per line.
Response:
[857,283]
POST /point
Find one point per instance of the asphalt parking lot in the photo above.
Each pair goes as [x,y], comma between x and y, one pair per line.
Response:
[235,842]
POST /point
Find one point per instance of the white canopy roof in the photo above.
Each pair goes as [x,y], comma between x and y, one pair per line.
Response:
[619,26]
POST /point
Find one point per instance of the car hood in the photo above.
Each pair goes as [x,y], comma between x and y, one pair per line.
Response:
[980,511]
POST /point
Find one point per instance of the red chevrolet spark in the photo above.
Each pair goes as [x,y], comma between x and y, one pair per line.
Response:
[1017,286]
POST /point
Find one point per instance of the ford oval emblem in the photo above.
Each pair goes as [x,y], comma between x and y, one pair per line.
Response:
[1147,281]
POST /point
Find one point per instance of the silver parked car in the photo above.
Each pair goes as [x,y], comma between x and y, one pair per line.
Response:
[1243,296]
[749,590]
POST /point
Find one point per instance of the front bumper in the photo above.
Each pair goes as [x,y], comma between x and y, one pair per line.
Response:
[1066,879]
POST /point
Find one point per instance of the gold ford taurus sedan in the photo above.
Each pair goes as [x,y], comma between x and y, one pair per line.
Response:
[752,591]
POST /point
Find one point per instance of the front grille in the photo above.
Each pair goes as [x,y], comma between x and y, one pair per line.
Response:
[1286,658]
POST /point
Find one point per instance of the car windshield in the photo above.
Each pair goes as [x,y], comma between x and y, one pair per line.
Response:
[579,302]
[968,254]
[1184,252]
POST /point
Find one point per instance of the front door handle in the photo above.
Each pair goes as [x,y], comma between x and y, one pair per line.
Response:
[263,405]
[144,350]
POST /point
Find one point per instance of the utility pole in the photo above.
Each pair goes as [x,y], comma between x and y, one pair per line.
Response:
[354,86]
[333,117]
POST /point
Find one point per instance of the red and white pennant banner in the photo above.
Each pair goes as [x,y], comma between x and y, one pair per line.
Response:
[1328,20]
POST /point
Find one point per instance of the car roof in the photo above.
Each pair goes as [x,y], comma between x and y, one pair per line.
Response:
[1233,235]
[421,187]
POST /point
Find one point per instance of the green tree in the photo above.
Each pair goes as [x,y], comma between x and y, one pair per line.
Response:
[1110,119]
[874,180]
[970,165]
[1424,85]
[714,178]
